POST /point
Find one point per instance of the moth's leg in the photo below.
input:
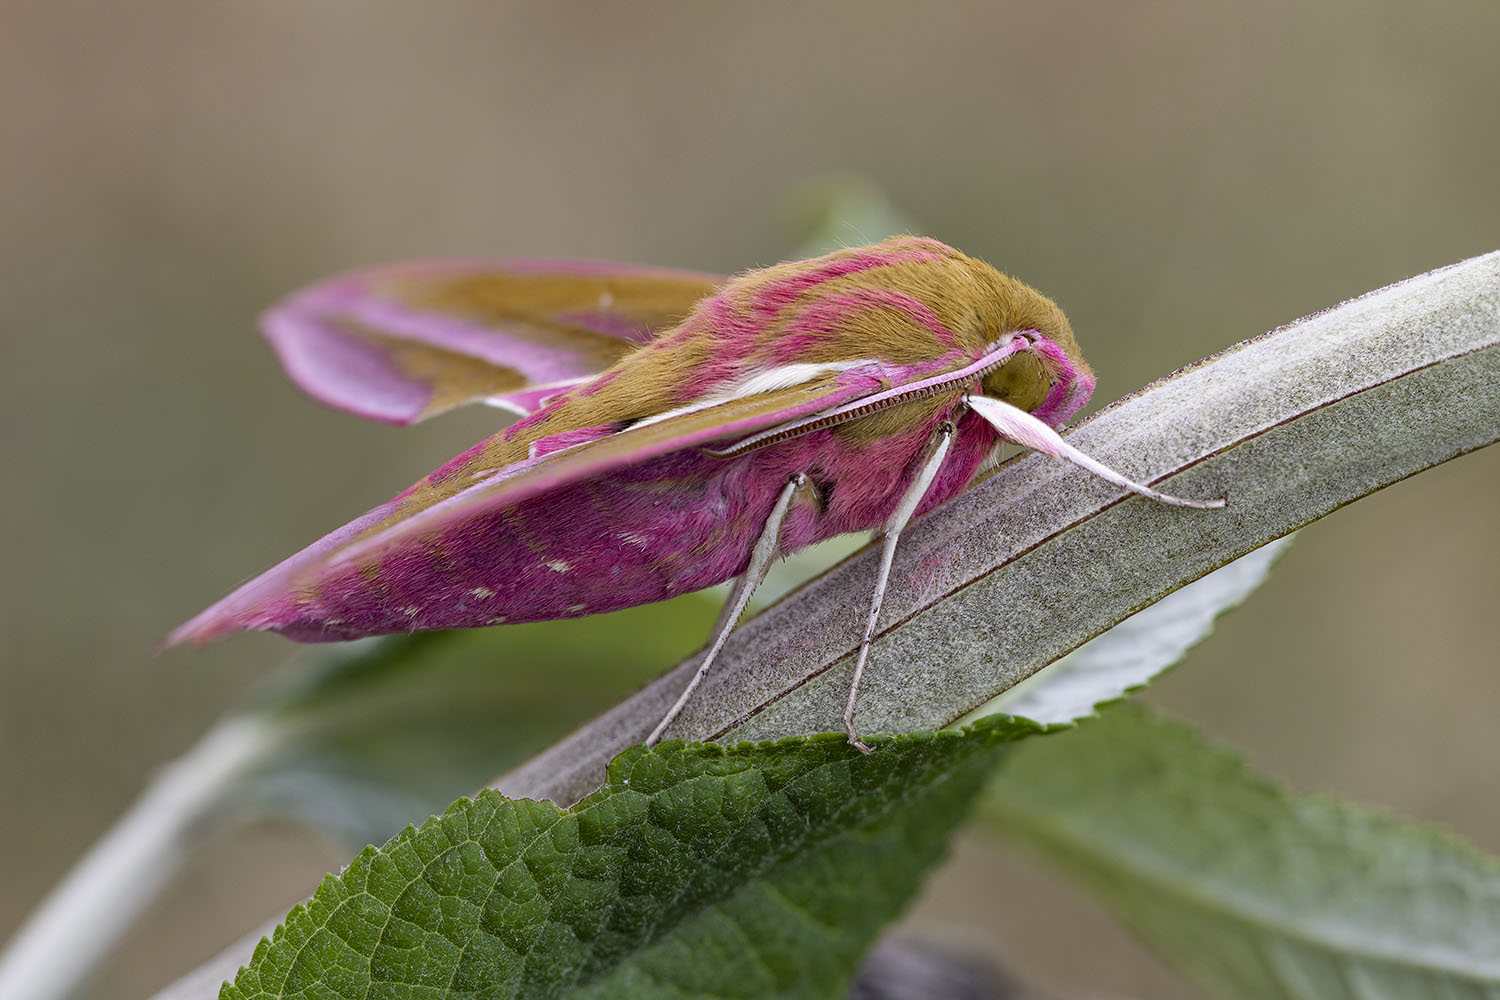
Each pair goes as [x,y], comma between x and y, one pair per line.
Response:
[761,557]
[1017,425]
[937,450]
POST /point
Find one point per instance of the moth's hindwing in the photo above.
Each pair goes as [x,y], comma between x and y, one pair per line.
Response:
[405,341]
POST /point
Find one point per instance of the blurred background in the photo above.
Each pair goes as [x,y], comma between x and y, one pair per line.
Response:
[1179,176]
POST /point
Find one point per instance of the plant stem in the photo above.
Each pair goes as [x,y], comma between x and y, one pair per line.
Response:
[66,936]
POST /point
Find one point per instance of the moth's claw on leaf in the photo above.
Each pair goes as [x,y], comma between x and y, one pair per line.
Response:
[860,745]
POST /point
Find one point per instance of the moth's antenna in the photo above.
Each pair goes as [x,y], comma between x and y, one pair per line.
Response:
[1017,425]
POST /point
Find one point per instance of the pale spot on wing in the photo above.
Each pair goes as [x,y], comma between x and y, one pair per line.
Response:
[573,609]
[786,376]
[631,538]
[559,565]
[482,592]
[497,620]
[606,299]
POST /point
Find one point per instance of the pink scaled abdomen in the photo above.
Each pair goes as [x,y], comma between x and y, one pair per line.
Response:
[666,527]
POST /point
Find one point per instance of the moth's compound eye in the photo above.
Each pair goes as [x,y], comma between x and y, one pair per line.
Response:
[1023,380]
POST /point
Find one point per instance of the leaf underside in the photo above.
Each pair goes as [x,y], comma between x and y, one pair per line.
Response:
[697,871]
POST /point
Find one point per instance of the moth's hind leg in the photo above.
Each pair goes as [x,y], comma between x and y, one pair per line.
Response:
[761,557]
[937,450]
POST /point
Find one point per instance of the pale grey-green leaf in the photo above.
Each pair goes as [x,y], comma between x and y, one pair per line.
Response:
[1128,656]
[842,210]
[1257,894]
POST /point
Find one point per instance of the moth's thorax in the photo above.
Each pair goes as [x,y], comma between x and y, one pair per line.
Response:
[905,301]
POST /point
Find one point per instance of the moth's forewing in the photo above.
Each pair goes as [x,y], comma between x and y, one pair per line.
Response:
[403,342]
[405,551]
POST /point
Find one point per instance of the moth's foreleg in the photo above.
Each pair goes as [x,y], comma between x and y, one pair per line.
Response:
[761,557]
[937,450]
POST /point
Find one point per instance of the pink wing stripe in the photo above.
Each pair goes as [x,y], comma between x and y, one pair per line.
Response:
[783,293]
[569,439]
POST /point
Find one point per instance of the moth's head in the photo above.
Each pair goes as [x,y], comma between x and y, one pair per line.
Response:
[1049,377]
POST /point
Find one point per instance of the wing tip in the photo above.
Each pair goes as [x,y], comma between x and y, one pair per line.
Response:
[199,630]
[319,360]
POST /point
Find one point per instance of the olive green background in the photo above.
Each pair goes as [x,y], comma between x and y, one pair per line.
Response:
[1179,176]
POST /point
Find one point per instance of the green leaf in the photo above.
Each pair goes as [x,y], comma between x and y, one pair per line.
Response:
[1251,891]
[696,871]
[836,210]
